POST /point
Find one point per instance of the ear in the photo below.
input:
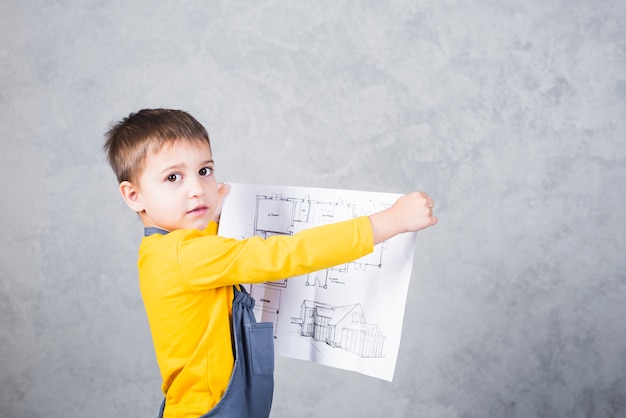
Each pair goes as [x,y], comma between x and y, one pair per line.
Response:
[131,196]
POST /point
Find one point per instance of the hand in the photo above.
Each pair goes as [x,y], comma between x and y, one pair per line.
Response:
[412,212]
[223,189]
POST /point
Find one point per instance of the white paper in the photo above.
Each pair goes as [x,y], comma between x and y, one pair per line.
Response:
[349,316]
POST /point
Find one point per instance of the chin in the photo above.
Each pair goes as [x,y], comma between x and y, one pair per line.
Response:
[199,225]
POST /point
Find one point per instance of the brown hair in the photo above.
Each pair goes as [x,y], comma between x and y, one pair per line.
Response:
[129,141]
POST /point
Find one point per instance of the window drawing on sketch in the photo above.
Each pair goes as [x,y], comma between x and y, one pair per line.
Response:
[341,327]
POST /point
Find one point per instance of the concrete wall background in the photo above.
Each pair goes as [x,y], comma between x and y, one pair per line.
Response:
[510,114]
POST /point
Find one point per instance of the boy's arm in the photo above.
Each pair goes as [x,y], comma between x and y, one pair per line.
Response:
[412,212]
[216,261]
[213,261]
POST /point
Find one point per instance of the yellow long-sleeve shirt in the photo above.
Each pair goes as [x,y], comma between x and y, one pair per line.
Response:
[186,279]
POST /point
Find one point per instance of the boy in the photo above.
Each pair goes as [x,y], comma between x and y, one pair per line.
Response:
[214,360]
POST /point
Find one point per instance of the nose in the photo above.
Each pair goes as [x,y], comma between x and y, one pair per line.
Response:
[195,188]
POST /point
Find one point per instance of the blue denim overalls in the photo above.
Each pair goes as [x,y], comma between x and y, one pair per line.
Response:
[251,387]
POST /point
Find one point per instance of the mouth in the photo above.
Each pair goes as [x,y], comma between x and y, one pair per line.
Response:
[198,210]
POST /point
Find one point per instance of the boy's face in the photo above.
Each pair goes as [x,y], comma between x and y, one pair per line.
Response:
[177,189]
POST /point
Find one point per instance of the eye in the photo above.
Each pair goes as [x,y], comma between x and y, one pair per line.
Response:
[174,177]
[206,171]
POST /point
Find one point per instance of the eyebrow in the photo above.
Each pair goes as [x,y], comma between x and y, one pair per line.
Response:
[182,165]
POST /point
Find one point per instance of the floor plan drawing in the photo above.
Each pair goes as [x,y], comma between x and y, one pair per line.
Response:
[279,215]
[320,316]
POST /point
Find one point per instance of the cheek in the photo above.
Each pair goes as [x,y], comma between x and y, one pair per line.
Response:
[211,187]
[160,201]
[212,198]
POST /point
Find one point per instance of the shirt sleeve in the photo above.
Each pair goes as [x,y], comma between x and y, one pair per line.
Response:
[210,261]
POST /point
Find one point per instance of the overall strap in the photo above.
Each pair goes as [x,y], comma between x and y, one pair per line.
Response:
[154,230]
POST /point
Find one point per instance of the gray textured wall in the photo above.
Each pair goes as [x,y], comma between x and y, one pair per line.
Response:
[511,114]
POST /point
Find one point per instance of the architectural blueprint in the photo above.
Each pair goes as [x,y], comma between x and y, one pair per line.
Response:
[348,316]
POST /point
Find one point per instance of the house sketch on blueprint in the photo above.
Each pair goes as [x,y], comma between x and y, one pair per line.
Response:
[340,327]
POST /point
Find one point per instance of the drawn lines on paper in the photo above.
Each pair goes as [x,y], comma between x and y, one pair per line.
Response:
[277,215]
[342,327]
[267,302]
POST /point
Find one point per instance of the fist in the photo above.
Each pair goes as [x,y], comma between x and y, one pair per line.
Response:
[415,211]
